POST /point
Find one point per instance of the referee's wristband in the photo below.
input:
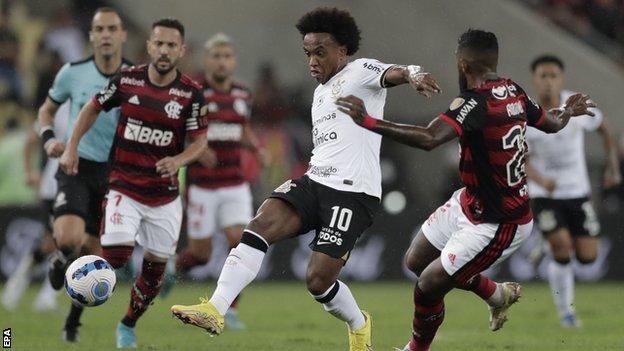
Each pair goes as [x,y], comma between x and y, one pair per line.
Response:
[369,122]
[46,135]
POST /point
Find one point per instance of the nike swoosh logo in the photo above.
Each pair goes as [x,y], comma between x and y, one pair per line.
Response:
[323,243]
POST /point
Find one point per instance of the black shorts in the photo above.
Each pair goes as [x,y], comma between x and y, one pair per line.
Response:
[47,214]
[576,215]
[82,194]
[337,217]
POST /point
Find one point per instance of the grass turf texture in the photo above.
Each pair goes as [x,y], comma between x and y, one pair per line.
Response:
[282,316]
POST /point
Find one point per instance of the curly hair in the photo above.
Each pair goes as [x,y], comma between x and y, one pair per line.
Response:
[339,23]
[479,40]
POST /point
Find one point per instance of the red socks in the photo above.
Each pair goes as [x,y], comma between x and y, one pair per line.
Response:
[144,290]
[428,316]
[480,285]
[117,256]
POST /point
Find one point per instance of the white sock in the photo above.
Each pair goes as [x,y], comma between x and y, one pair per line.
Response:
[240,269]
[497,298]
[343,305]
[561,280]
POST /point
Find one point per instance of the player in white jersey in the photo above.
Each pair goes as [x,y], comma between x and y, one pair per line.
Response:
[39,175]
[559,185]
[340,193]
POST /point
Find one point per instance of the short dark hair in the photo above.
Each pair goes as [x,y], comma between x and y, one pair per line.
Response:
[339,23]
[478,40]
[170,22]
[107,9]
[543,59]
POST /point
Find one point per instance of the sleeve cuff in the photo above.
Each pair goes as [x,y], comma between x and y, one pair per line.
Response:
[453,123]
[382,78]
[197,132]
[96,103]
[541,119]
[55,100]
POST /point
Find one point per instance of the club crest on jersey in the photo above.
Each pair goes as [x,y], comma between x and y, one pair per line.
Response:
[284,188]
[455,104]
[501,92]
[173,109]
[336,88]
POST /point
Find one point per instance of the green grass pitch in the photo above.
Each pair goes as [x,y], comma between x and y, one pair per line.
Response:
[282,316]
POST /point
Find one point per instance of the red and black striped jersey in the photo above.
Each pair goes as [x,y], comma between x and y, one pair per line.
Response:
[228,113]
[153,124]
[491,121]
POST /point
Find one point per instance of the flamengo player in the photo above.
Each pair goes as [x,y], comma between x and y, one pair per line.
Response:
[487,220]
[340,193]
[560,189]
[219,198]
[160,108]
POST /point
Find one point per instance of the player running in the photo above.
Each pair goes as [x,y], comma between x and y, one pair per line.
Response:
[40,178]
[160,108]
[77,208]
[560,189]
[219,198]
[486,221]
[340,193]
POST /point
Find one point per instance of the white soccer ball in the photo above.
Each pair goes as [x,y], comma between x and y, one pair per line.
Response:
[90,280]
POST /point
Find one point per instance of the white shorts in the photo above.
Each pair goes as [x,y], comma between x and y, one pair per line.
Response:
[210,210]
[468,249]
[157,228]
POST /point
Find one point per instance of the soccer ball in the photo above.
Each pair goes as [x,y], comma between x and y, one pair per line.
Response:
[90,281]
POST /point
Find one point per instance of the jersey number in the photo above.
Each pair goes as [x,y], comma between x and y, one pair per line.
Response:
[515,167]
[343,216]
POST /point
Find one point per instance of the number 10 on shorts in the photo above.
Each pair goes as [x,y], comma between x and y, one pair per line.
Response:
[342,216]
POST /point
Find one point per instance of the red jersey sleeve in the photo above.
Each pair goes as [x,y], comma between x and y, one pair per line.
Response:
[467,112]
[110,96]
[196,121]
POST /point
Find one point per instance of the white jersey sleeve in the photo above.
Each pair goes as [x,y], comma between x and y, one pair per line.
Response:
[371,72]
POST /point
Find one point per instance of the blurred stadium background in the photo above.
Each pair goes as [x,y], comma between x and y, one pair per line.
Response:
[37,37]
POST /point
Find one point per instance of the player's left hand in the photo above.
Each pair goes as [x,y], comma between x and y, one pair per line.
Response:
[352,106]
[168,167]
[579,105]
[424,82]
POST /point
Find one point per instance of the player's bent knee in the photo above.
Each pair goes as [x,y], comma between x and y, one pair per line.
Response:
[586,259]
[118,256]
[317,283]
[413,263]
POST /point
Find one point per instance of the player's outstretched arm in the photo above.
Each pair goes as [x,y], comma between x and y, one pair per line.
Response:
[612,175]
[558,118]
[31,146]
[45,117]
[168,166]
[424,82]
[86,117]
[426,138]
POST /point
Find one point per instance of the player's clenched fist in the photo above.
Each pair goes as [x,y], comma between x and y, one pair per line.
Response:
[69,161]
[168,166]
[54,148]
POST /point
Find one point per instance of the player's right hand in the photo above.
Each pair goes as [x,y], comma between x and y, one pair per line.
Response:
[424,82]
[55,148]
[69,161]
[550,185]
[578,105]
